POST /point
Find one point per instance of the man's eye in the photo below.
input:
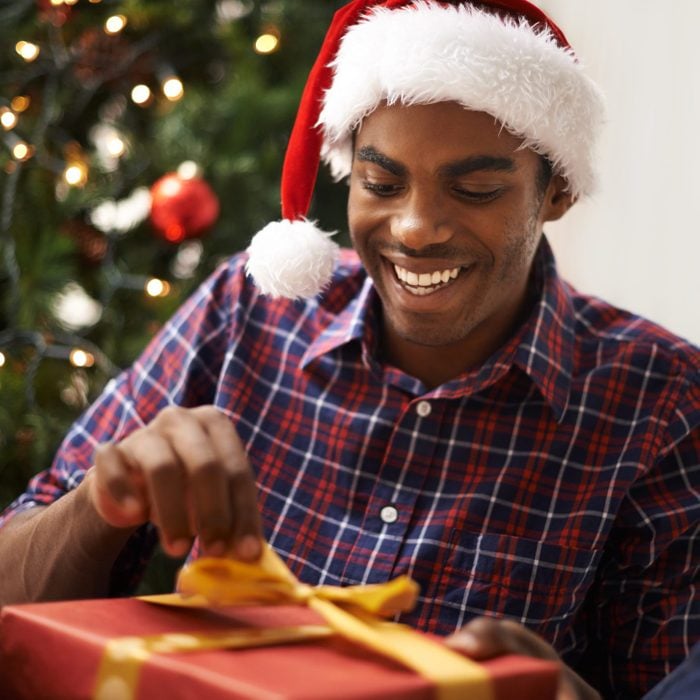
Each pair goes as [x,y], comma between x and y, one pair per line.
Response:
[380,189]
[478,195]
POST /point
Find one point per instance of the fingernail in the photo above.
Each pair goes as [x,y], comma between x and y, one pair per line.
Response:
[130,504]
[248,548]
[465,641]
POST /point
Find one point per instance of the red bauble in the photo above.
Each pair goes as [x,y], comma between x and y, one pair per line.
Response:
[182,207]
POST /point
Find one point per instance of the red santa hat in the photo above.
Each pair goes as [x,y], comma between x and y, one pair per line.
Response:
[503,57]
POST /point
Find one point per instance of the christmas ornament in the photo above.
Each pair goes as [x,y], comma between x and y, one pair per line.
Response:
[182,207]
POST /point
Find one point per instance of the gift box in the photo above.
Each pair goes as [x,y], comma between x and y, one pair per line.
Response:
[118,649]
[54,651]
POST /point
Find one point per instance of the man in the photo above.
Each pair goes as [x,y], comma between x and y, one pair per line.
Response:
[440,403]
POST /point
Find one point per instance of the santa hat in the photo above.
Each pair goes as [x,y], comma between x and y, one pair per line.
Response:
[503,57]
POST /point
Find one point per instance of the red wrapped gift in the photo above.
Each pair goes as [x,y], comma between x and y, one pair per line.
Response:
[129,648]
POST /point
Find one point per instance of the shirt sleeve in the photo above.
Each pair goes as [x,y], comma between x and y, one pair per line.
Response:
[647,614]
[180,366]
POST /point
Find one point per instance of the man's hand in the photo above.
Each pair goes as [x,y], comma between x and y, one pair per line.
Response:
[187,473]
[485,638]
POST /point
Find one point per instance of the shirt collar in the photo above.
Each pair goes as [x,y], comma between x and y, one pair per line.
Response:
[542,348]
[545,349]
[356,321]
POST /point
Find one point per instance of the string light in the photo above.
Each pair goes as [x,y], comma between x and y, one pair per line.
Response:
[20,103]
[157,288]
[173,89]
[188,170]
[116,147]
[267,43]
[22,151]
[141,94]
[81,358]
[115,24]
[76,174]
[2,359]
[8,118]
[27,50]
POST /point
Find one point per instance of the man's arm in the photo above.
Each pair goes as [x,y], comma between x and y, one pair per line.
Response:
[60,551]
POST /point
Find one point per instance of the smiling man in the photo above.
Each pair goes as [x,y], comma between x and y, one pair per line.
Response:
[437,402]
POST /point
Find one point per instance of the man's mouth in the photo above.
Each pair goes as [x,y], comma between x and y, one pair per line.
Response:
[424,283]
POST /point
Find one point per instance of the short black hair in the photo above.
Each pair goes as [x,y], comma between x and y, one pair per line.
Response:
[544,174]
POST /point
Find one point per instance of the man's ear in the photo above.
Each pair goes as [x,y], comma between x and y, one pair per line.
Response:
[557,199]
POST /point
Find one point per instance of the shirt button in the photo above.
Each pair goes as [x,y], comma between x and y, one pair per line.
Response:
[423,408]
[389,514]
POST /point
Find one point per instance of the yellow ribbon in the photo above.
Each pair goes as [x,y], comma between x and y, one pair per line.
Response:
[354,612]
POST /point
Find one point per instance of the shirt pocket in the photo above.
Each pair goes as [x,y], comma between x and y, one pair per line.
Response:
[538,583]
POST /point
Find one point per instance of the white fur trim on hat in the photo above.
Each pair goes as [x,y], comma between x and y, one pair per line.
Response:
[425,53]
[292,259]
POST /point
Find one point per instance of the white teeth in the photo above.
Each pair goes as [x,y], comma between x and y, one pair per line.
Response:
[425,282]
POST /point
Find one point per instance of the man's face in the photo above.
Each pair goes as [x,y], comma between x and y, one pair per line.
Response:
[446,213]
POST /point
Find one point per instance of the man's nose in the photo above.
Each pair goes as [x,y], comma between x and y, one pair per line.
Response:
[420,222]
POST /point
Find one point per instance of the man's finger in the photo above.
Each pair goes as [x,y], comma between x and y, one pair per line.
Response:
[204,465]
[486,638]
[242,492]
[166,487]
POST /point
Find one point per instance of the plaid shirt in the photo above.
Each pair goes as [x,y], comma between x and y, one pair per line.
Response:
[557,484]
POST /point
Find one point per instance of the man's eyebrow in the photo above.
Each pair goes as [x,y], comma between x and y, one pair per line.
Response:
[478,163]
[372,155]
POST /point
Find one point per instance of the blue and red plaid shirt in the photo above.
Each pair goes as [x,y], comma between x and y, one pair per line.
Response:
[557,485]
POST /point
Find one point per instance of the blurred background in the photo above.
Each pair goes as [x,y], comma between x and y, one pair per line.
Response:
[141,141]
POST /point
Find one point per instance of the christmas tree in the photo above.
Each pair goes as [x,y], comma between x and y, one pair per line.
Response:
[142,143]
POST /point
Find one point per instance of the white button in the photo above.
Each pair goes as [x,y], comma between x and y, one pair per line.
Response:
[423,408]
[389,514]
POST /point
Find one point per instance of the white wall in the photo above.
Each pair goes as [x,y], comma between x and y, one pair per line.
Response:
[636,243]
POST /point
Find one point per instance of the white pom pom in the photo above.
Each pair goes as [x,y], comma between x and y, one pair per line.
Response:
[292,259]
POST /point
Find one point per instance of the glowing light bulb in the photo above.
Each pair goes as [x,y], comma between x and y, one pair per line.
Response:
[81,358]
[8,119]
[173,89]
[188,170]
[22,151]
[70,2]
[116,147]
[115,24]
[2,359]
[267,43]
[141,94]
[20,103]
[157,288]
[76,174]
[27,50]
